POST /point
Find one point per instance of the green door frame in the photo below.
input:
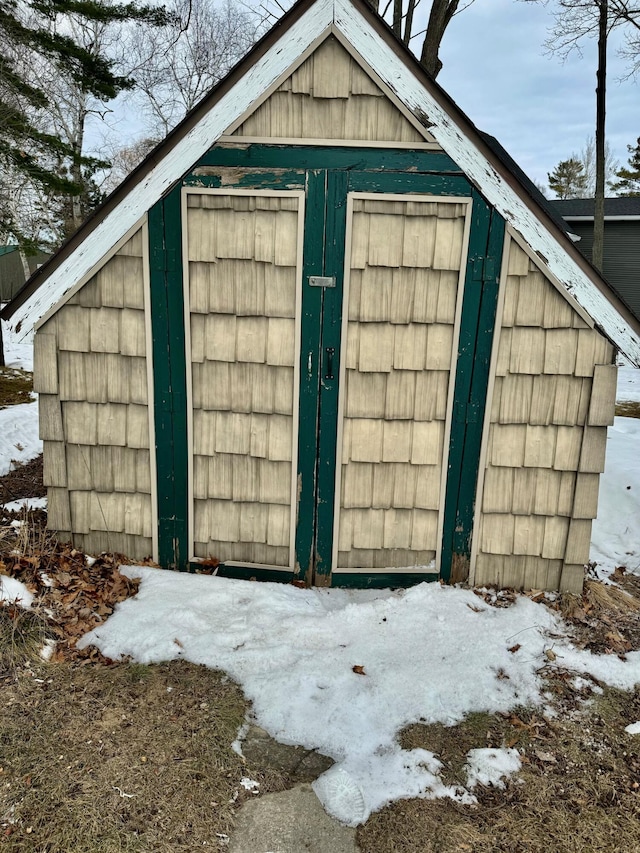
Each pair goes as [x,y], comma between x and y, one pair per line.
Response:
[328,174]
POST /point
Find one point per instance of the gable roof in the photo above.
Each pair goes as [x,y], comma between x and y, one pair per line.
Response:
[627,207]
[366,36]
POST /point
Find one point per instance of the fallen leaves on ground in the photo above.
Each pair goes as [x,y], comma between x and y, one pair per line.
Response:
[76,593]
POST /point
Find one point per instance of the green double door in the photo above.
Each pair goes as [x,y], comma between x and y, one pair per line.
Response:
[357,334]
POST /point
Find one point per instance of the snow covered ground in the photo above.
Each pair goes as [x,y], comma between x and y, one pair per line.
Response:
[343,671]
[19,440]
[16,354]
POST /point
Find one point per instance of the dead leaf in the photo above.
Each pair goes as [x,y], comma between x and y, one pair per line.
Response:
[514,649]
[359,670]
[545,757]
[550,654]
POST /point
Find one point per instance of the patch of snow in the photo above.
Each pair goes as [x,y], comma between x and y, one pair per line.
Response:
[250,784]
[615,540]
[19,440]
[628,384]
[17,353]
[47,650]
[491,766]
[633,729]
[428,657]
[14,591]
[25,503]
[236,746]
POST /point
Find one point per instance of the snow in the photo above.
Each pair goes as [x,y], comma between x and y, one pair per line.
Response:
[17,353]
[633,729]
[491,766]
[628,384]
[431,654]
[615,540]
[14,591]
[19,441]
[25,503]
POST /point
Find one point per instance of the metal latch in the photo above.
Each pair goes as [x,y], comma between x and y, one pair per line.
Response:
[322,280]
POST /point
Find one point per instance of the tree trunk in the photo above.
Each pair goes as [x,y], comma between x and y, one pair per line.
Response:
[2,361]
[26,272]
[601,90]
[397,17]
[408,22]
[441,13]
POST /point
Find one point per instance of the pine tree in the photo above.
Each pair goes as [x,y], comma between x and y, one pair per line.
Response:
[42,156]
[568,179]
[629,183]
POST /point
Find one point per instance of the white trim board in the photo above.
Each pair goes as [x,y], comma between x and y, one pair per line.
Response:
[354,28]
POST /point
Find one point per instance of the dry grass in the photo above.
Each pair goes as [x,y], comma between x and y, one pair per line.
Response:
[119,758]
[577,791]
[15,386]
[628,410]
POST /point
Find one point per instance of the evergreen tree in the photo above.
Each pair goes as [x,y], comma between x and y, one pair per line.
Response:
[26,37]
[568,179]
[629,183]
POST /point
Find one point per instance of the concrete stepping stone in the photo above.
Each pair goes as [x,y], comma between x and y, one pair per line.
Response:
[290,822]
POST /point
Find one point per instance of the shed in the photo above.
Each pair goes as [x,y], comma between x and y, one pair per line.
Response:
[621,251]
[12,274]
[325,332]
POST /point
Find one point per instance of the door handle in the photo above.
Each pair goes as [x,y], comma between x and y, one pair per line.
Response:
[329,353]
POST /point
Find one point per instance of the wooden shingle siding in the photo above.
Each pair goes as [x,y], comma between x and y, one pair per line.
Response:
[400,329]
[242,262]
[553,397]
[329,97]
[91,360]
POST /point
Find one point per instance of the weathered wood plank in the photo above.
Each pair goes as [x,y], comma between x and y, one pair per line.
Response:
[55,464]
[133,339]
[428,479]
[73,323]
[497,532]
[603,395]
[426,444]
[594,445]
[410,346]
[45,363]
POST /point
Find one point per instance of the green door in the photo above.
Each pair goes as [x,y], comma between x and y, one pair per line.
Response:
[390,244]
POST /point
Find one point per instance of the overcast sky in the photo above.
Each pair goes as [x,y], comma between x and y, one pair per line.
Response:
[541,110]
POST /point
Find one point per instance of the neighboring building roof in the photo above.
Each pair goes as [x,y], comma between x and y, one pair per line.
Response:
[6,250]
[370,40]
[582,208]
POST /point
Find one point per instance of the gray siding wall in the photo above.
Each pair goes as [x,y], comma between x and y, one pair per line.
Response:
[621,256]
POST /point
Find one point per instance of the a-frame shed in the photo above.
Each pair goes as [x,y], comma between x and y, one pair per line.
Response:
[324,332]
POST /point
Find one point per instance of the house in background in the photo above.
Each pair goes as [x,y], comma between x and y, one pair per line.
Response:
[327,332]
[12,272]
[621,256]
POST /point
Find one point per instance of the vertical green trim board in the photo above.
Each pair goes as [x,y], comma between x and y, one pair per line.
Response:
[169,370]
[472,378]
[310,366]
[331,330]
